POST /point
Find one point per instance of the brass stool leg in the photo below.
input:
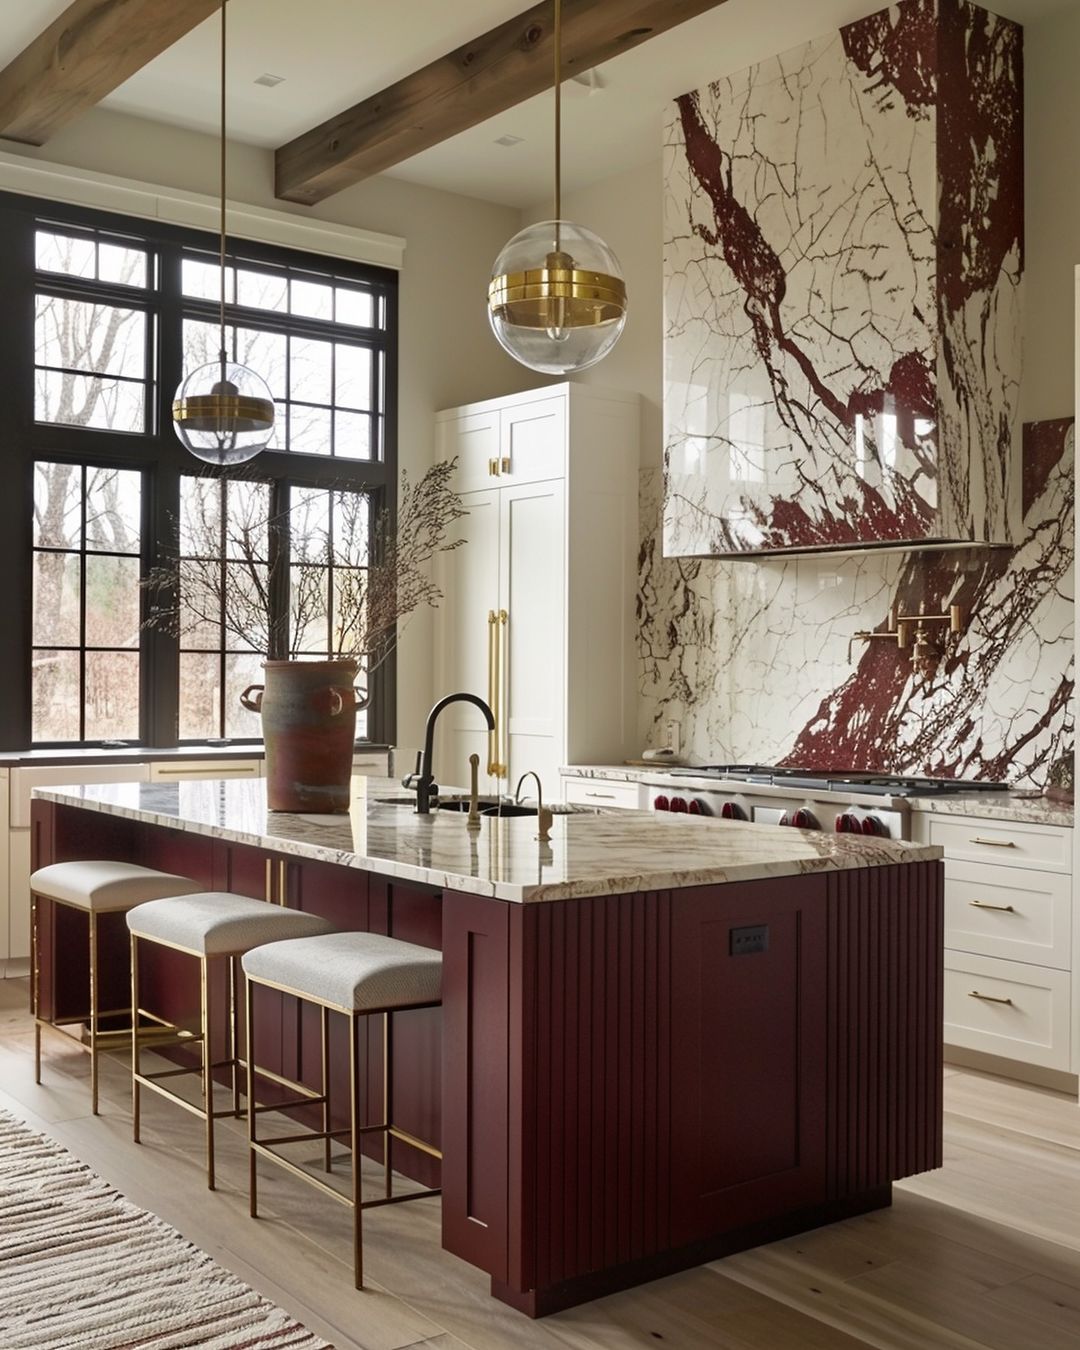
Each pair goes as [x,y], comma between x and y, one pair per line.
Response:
[249,1028]
[234,1049]
[207,1067]
[95,993]
[325,1019]
[136,1059]
[387,1117]
[354,1141]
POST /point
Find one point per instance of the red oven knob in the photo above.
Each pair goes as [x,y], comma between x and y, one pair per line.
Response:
[694,807]
[873,825]
[732,811]
[661,803]
[679,806]
[847,824]
[805,820]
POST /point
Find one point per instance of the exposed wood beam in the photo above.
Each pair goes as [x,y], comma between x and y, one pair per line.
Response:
[93,47]
[494,72]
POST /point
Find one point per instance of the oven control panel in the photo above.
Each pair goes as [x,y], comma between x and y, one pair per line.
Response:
[800,815]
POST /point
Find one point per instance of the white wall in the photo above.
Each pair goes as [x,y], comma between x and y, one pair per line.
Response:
[447,353]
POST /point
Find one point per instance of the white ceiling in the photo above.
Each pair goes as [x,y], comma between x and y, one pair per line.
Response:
[334,53]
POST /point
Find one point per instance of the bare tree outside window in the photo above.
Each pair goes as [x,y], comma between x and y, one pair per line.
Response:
[353,576]
[86,620]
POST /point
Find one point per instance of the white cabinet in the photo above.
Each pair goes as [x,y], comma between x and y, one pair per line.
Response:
[1008,938]
[538,612]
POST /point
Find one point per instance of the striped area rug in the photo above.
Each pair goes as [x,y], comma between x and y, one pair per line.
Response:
[81,1268]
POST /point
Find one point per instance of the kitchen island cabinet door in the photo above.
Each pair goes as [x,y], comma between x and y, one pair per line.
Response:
[748,1062]
[476,1040]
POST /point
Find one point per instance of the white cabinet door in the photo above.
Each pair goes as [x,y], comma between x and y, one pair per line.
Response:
[18,925]
[467,640]
[474,440]
[532,570]
[533,441]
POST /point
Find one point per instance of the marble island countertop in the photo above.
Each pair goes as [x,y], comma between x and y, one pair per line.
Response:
[589,854]
[1020,805]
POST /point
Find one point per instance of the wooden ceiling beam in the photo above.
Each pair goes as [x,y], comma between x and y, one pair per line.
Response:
[484,77]
[91,49]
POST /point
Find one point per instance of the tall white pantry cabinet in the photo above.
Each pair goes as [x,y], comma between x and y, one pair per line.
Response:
[538,614]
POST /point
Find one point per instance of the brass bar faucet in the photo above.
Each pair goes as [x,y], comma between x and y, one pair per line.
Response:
[544,817]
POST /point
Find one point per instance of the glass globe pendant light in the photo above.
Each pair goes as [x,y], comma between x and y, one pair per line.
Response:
[223,412]
[557,298]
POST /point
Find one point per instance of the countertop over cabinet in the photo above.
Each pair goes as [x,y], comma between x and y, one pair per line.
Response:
[1018,806]
[588,855]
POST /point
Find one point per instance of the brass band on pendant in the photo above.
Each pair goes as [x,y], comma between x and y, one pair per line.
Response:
[567,296]
[208,412]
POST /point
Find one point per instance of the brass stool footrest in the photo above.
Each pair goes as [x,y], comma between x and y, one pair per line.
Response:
[193,1107]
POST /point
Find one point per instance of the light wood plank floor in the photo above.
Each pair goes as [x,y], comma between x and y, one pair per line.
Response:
[984,1253]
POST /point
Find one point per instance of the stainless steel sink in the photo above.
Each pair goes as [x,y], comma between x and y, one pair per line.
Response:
[489,806]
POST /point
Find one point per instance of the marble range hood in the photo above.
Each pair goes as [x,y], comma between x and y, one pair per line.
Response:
[843,265]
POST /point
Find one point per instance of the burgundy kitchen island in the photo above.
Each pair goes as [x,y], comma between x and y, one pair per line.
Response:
[661,1041]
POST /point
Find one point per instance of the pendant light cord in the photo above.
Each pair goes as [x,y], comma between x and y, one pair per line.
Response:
[558,120]
[224,6]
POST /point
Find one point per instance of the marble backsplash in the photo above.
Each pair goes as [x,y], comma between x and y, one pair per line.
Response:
[759,662]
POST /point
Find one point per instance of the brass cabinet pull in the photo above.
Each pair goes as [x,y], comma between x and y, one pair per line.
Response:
[504,464]
[205,773]
[493,689]
[988,998]
[502,768]
[992,843]
[283,882]
[602,796]
[269,881]
[981,904]
[493,468]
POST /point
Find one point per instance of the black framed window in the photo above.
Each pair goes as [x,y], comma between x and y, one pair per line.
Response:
[87,561]
[104,316]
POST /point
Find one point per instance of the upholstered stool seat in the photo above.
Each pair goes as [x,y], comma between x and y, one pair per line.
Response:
[352,972]
[94,887]
[107,886]
[357,975]
[216,928]
[216,923]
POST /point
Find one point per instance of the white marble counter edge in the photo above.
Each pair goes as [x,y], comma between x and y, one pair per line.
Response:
[514,893]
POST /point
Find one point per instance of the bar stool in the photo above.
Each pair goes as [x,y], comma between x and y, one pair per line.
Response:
[91,888]
[213,927]
[357,975]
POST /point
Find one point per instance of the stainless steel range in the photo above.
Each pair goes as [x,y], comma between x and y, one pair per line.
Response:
[847,802]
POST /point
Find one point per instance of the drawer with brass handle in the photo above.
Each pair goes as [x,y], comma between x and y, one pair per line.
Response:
[1007,1008]
[593,792]
[1016,913]
[1008,844]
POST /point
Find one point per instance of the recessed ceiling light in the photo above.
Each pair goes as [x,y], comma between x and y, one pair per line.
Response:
[509,140]
[270,80]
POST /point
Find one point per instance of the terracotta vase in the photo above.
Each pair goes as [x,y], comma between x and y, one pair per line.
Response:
[308,711]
